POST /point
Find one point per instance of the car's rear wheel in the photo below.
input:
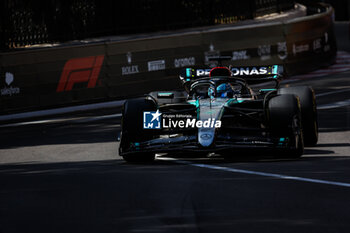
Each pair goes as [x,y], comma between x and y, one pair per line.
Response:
[308,111]
[285,123]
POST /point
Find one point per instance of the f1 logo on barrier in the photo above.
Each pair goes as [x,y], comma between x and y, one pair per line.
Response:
[78,70]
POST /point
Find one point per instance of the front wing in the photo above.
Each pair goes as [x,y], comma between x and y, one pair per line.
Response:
[183,144]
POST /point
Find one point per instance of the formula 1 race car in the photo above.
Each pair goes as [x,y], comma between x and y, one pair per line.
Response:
[220,113]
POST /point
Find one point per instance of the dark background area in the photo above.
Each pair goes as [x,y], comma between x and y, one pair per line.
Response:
[342,7]
[26,23]
[48,21]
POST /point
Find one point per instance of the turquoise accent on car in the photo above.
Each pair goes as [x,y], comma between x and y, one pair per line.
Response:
[194,102]
[234,101]
[165,94]
[188,73]
[275,69]
[197,103]
[137,145]
[268,89]
[198,108]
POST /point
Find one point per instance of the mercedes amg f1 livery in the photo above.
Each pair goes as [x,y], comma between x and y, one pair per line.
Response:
[221,110]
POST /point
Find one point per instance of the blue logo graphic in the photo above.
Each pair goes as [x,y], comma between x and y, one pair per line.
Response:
[151,120]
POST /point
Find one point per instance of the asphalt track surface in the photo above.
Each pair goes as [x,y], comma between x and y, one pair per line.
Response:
[64,175]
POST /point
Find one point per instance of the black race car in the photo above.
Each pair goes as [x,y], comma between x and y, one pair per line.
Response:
[219,112]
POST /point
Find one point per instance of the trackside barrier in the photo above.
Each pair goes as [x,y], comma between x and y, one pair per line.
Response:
[63,76]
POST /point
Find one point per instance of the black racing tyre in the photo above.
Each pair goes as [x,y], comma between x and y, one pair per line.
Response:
[308,111]
[132,127]
[285,121]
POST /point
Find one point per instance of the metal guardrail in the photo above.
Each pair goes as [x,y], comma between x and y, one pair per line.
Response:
[64,76]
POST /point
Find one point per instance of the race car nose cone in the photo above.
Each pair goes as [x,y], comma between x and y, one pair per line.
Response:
[206,136]
[210,110]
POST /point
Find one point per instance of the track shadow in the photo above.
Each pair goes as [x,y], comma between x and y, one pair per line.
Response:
[96,196]
[59,133]
[251,156]
[102,196]
[119,165]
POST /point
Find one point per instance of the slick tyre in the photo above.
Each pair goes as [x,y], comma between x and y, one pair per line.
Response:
[132,127]
[308,112]
[285,122]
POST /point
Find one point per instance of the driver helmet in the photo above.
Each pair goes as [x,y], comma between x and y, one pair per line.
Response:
[224,90]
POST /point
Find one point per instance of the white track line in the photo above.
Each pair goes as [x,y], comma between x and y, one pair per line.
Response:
[56,111]
[70,120]
[266,174]
[98,118]
[332,92]
[338,104]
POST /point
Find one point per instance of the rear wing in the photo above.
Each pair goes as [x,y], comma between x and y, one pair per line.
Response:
[250,73]
[274,71]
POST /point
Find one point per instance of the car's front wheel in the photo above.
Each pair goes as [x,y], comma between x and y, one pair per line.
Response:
[285,124]
[133,132]
[308,111]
